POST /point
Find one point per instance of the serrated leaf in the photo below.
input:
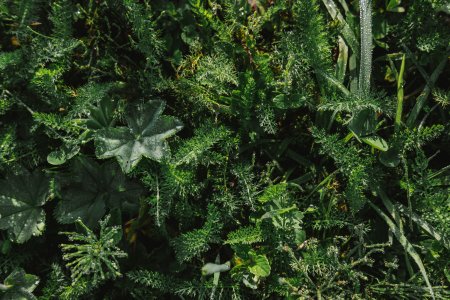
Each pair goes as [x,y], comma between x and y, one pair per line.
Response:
[19,286]
[245,235]
[21,200]
[93,190]
[102,116]
[60,156]
[145,136]
[376,142]
[424,225]
[260,265]
[273,193]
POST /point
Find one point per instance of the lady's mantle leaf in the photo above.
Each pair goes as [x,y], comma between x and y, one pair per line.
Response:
[19,285]
[145,135]
[93,189]
[21,198]
[260,265]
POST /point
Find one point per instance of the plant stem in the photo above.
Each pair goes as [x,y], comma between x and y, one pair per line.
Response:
[400,93]
[365,67]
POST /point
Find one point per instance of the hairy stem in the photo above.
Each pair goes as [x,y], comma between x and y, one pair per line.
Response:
[365,67]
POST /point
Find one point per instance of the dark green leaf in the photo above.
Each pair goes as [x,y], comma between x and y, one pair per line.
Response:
[21,200]
[145,136]
[93,190]
[390,158]
[19,286]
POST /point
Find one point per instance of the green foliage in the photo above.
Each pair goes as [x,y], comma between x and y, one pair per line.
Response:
[245,235]
[313,160]
[145,137]
[22,197]
[165,284]
[106,190]
[193,243]
[19,285]
[56,283]
[92,256]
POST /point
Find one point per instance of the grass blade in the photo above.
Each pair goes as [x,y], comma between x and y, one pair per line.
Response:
[406,245]
[347,32]
[400,93]
[399,234]
[422,98]
[341,64]
[424,225]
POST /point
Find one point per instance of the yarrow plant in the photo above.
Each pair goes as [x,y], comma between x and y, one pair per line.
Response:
[224,149]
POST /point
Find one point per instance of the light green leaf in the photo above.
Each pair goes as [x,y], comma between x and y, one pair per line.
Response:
[278,212]
[21,200]
[245,235]
[63,154]
[341,64]
[145,136]
[394,6]
[376,142]
[260,265]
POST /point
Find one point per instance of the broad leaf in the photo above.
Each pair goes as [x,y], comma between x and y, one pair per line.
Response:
[63,154]
[363,123]
[145,136]
[102,116]
[93,190]
[391,157]
[260,265]
[21,200]
[19,286]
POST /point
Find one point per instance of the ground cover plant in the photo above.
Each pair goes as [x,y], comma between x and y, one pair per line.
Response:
[224,149]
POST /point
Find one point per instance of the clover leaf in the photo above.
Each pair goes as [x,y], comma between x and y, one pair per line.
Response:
[93,190]
[21,200]
[145,136]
